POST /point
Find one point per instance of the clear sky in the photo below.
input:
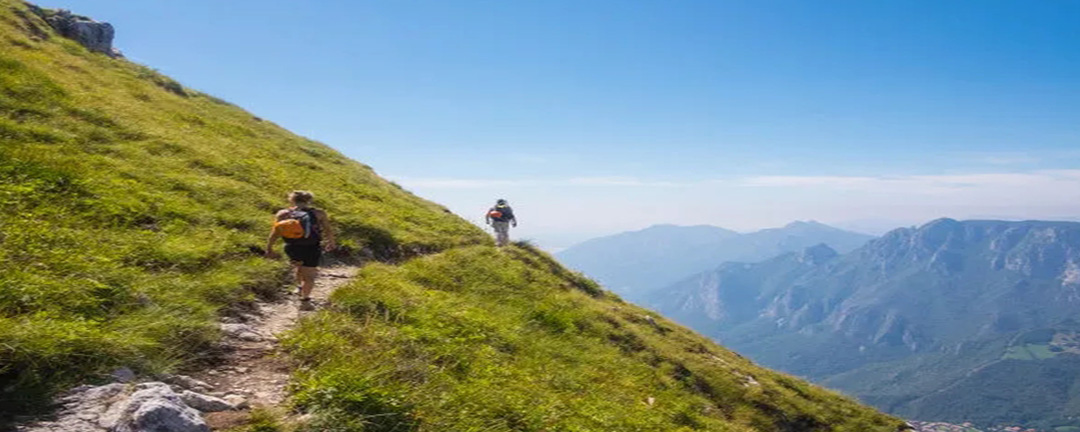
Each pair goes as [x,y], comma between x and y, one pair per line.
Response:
[602,116]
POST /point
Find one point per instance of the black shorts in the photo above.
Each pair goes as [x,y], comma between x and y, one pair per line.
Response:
[307,255]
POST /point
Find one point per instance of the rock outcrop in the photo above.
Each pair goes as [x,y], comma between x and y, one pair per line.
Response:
[95,36]
[205,403]
[84,410]
[155,407]
[119,407]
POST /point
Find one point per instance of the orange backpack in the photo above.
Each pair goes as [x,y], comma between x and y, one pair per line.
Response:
[290,228]
[299,226]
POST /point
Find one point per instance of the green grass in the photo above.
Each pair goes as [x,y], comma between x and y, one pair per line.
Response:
[133,207]
[1029,352]
[262,420]
[134,210]
[478,339]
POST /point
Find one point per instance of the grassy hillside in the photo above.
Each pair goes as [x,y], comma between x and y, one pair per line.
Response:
[479,339]
[131,205]
[134,208]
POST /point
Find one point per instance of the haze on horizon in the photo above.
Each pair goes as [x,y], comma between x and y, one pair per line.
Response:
[610,116]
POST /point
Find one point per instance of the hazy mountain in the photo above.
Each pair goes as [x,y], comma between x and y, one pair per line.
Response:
[633,263]
[951,321]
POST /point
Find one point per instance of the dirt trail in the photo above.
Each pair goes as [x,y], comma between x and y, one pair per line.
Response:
[253,366]
[252,371]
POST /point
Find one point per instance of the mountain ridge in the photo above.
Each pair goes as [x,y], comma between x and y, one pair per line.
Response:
[943,304]
[637,262]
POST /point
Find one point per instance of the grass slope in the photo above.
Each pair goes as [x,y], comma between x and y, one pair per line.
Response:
[132,208]
[477,339]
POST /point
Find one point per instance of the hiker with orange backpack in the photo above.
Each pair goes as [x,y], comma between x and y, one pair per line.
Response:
[500,218]
[306,231]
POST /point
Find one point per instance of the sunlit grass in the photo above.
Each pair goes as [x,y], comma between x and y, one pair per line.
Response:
[134,208]
[485,339]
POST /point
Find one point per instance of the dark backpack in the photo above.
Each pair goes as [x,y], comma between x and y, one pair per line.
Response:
[309,221]
[507,213]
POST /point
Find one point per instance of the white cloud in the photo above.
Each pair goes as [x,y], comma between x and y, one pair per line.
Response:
[1001,158]
[1065,174]
[1037,181]
[618,181]
[454,183]
[477,183]
[551,208]
[929,184]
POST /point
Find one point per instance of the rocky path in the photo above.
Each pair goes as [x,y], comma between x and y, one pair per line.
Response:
[252,367]
[252,372]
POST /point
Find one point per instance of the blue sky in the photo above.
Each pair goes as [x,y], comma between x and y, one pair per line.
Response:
[602,116]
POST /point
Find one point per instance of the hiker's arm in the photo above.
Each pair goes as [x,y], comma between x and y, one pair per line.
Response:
[327,231]
[487,218]
[270,244]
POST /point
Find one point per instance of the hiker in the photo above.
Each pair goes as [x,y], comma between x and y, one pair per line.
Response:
[306,231]
[500,218]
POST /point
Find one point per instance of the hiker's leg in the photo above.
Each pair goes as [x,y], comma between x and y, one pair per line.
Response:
[296,260]
[306,259]
[297,265]
[307,283]
[501,235]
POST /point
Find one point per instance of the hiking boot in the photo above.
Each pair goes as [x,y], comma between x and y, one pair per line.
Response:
[307,305]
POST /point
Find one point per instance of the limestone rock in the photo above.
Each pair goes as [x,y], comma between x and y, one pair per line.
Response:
[242,331]
[187,383]
[95,36]
[205,403]
[82,407]
[237,401]
[155,407]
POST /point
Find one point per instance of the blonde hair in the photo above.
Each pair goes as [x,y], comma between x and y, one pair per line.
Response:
[301,197]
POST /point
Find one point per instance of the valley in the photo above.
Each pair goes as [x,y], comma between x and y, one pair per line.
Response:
[952,321]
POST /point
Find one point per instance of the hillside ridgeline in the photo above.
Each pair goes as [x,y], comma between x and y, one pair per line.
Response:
[135,208]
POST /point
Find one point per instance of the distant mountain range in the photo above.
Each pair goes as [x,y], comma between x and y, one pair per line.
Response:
[635,263]
[952,321]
